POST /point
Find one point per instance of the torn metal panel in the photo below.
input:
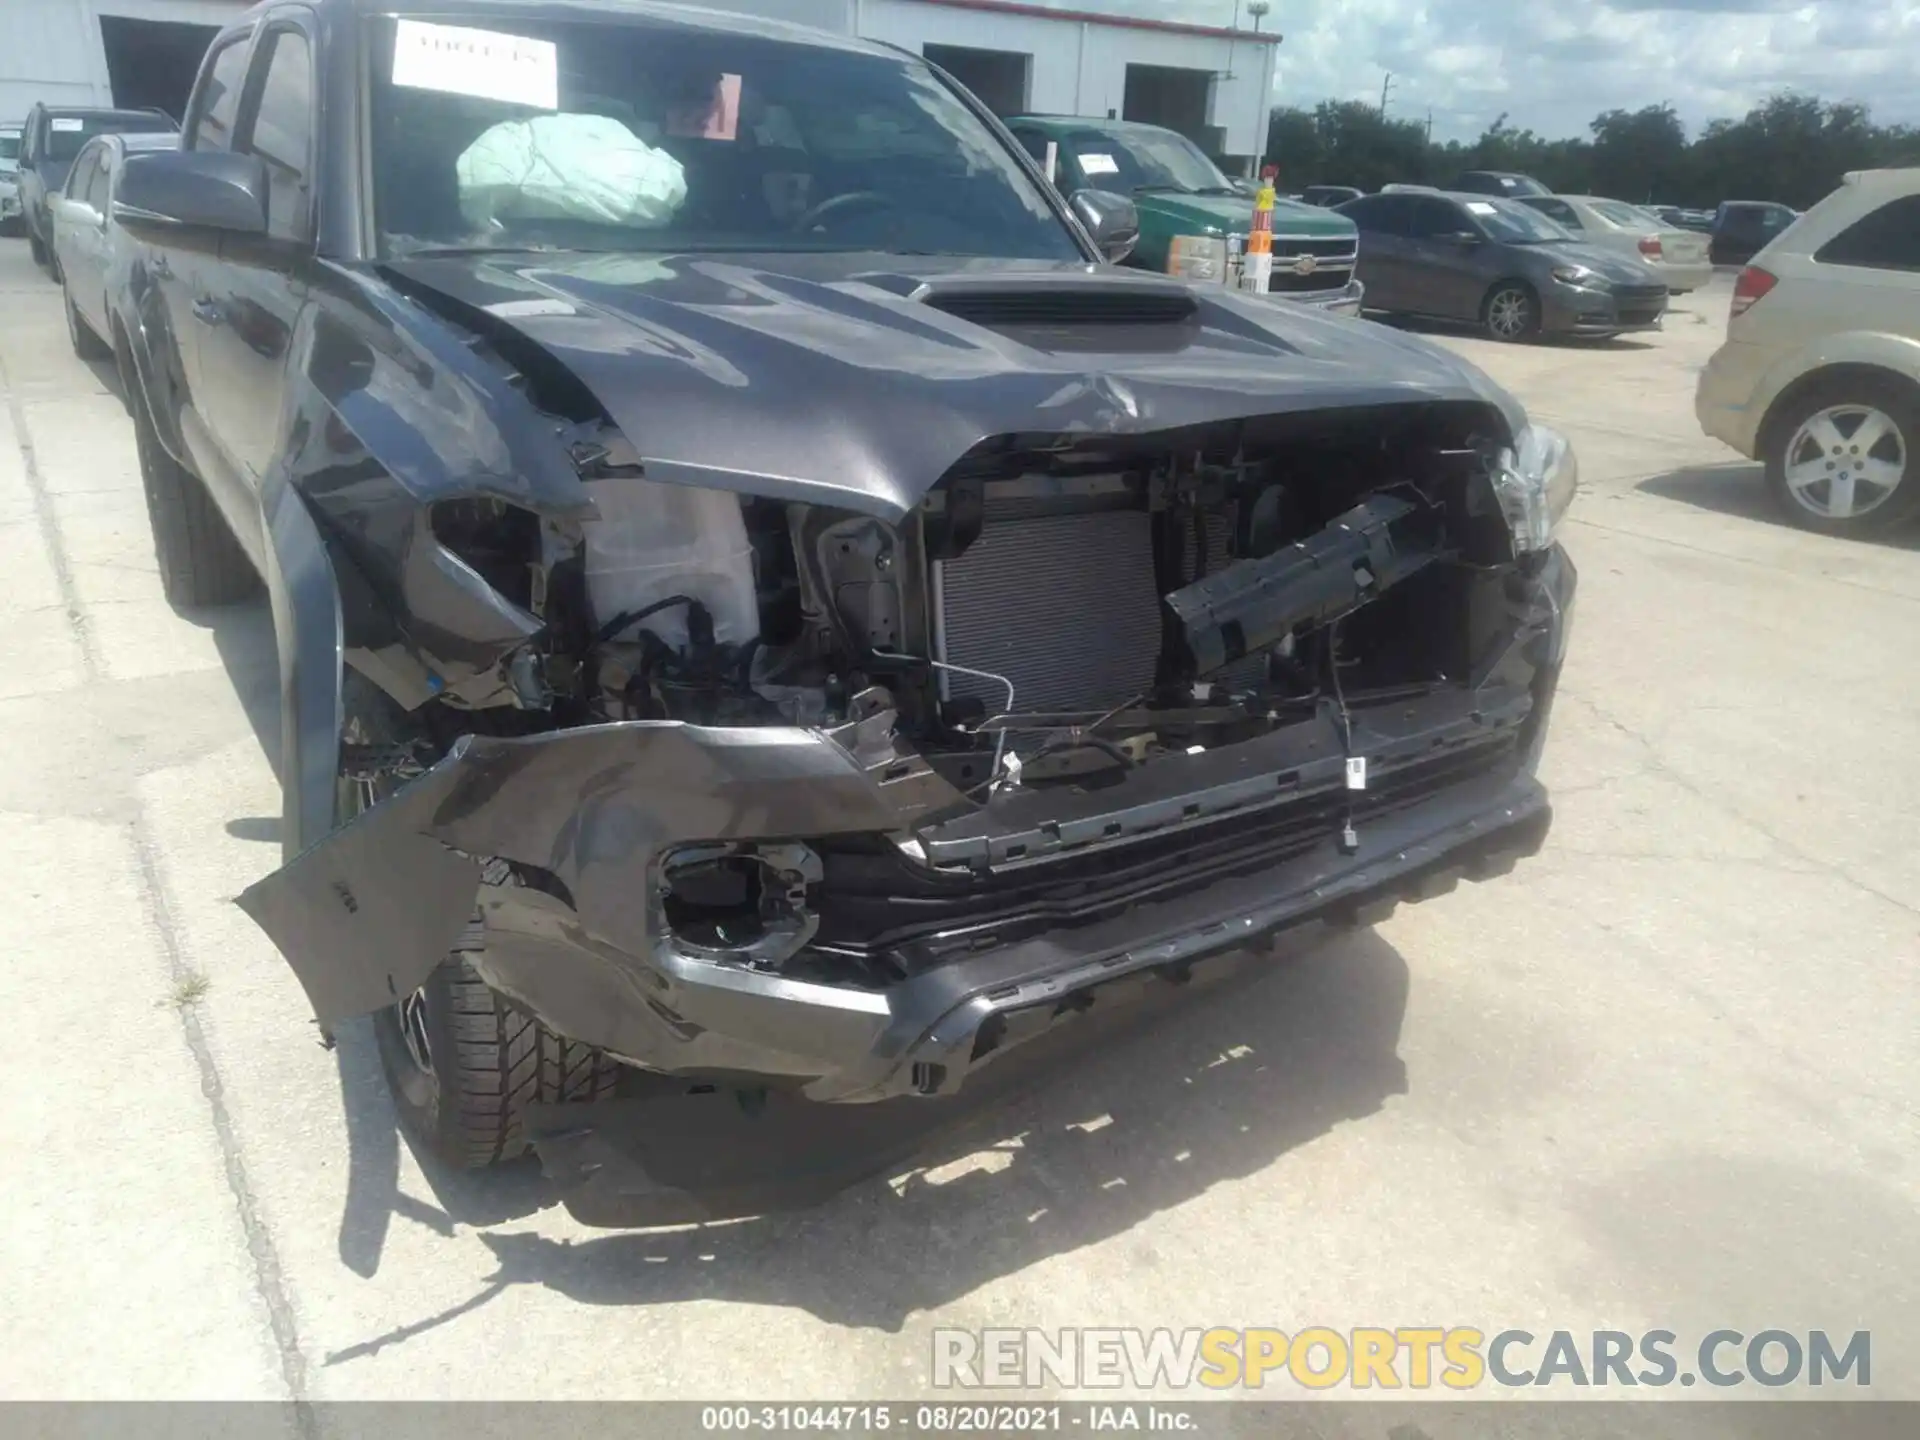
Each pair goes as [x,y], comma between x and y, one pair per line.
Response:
[364,915]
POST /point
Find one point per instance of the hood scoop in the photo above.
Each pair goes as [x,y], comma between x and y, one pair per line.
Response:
[1077,304]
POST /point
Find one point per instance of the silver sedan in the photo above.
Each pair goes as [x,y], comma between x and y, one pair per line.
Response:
[1679,255]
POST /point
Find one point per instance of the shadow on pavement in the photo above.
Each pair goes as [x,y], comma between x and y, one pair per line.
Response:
[1740,489]
[1139,1118]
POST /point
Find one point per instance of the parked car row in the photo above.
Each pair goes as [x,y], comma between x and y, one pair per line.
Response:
[9,178]
[700,561]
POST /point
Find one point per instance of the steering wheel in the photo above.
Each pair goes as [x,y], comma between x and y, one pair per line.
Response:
[871,199]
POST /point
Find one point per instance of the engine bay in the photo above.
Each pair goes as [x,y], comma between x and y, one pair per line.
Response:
[1058,609]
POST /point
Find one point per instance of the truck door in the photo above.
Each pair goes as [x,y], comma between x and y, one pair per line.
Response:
[170,318]
[246,305]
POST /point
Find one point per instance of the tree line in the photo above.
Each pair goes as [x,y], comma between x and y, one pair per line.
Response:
[1792,148]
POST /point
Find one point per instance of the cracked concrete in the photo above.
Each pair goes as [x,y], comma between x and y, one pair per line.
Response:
[1661,1076]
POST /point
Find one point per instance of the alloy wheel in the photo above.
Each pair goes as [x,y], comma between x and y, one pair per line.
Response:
[1845,461]
[1510,314]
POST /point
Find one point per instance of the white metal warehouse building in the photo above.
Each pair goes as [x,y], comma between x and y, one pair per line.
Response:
[1211,84]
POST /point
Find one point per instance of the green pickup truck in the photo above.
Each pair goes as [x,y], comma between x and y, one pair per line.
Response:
[1179,191]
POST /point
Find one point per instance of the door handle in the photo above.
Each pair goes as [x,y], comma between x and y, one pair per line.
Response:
[208,312]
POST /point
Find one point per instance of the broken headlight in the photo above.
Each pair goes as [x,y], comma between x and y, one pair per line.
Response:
[1535,481]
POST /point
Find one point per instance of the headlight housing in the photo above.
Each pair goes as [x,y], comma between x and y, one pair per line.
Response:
[1536,481]
[1579,275]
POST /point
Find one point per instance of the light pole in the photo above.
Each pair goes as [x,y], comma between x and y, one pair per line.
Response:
[1258,10]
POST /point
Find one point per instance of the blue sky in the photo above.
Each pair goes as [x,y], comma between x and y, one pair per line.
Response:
[1554,65]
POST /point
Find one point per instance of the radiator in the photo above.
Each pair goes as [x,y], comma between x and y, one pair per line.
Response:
[1064,606]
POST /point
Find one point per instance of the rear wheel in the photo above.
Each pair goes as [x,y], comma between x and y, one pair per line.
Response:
[86,344]
[462,1061]
[1511,312]
[1842,458]
[200,561]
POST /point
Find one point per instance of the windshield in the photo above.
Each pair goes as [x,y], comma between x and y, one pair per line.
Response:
[632,137]
[67,133]
[1623,214]
[1145,160]
[1512,223]
[9,149]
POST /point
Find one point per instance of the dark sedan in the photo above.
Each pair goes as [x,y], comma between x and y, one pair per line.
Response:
[1500,265]
[1743,228]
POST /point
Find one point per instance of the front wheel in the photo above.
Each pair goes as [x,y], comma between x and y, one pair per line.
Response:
[1841,458]
[86,344]
[462,1061]
[1511,313]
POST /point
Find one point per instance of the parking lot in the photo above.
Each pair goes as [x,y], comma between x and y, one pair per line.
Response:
[1662,1076]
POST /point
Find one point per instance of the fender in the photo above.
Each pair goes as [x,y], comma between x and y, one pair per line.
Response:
[155,359]
[307,630]
[1897,355]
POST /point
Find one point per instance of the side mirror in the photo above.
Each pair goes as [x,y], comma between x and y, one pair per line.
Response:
[1111,219]
[1465,238]
[166,195]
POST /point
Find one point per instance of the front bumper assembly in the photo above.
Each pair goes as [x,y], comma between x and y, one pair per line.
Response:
[1345,300]
[1580,311]
[560,841]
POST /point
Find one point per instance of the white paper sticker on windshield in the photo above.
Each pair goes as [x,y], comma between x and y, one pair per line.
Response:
[1099,164]
[66,126]
[1480,207]
[462,61]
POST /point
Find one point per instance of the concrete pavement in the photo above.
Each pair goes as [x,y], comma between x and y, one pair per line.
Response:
[1664,1075]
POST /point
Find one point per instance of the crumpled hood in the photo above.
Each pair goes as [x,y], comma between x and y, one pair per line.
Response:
[826,378]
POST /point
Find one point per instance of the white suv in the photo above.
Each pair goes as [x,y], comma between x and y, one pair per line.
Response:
[1820,373]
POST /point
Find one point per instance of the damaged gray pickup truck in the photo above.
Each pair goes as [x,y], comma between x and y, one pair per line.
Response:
[761,601]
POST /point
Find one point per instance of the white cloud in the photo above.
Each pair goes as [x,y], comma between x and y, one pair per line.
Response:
[1553,67]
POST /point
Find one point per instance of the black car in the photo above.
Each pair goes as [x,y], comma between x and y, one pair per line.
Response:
[50,140]
[1330,195]
[766,614]
[1743,228]
[1496,182]
[1500,265]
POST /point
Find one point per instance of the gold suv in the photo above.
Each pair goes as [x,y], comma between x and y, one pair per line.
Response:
[1820,373]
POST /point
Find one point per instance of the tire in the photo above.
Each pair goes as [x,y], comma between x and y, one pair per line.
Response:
[463,1062]
[201,563]
[1511,312]
[463,1098]
[1839,499]
[86,344]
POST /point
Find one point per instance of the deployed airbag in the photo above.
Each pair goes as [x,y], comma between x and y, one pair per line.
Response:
[568,167]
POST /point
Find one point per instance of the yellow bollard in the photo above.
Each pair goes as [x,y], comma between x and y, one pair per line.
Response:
[1258,267]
